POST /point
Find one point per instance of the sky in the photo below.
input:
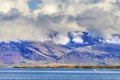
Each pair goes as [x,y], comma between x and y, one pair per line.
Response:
[36,20]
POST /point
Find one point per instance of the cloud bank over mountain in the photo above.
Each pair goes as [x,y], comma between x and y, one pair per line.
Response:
[35,20]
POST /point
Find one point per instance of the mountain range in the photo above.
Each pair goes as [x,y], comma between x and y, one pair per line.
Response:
[92,51]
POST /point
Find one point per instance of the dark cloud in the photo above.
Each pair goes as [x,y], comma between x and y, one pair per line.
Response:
[11,15]
[92,1]
[117,4]
[36,1]
[98,22]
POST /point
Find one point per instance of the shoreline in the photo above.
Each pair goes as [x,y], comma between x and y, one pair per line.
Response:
[70,66]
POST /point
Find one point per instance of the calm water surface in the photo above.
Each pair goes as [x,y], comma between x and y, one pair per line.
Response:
[59,74]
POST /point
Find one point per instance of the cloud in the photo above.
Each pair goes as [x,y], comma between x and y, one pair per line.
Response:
[19,21]
[99,22]
[114,40]
[21,5]
[15,27]
[74,7]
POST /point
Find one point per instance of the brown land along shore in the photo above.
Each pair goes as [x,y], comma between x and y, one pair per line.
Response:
[67,66]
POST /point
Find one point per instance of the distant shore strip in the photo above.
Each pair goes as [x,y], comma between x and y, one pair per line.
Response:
[68,66]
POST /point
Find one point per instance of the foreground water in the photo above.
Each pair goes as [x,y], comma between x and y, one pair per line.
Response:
[59,74]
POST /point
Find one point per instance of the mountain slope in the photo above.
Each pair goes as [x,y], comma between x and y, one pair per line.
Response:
[102,54]
[30,52]
[40,53]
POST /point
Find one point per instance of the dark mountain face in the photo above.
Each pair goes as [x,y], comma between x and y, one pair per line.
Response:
[26,52]
[9,53]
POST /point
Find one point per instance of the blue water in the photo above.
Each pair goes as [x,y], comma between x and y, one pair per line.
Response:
[59,74]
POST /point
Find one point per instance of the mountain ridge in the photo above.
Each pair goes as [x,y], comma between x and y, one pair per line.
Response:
[48,53]
[91,51]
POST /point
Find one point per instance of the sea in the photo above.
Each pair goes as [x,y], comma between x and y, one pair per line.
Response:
[58,74]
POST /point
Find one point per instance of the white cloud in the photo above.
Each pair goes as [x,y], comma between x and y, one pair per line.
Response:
[115,40]
[78,40]
[74,7]
[99,17]
[7,5]
[61,39]
[49,9]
